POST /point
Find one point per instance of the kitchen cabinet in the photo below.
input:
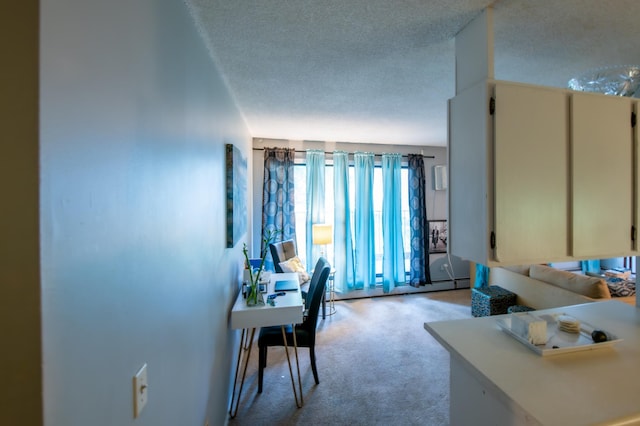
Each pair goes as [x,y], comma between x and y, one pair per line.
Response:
[602,167]
[530,151]
[530,170]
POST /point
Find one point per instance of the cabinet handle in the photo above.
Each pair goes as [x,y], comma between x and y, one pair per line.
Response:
[493,240]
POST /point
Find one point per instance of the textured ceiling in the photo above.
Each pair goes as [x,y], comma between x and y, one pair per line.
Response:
[381,71]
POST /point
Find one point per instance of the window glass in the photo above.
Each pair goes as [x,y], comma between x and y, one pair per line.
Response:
[301,187]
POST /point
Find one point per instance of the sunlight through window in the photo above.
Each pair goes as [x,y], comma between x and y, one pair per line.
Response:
[300,206]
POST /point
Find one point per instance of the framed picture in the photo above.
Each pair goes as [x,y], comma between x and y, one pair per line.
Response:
[237,210]
[437,236]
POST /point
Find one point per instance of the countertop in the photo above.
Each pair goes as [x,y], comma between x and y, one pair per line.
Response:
[590,387]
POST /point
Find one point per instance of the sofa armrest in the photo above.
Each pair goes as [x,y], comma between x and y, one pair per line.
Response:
[534,293]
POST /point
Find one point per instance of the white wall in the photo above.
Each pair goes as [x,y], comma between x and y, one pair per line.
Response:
[134,119]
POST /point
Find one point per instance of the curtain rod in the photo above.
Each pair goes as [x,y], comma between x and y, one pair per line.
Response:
[349,153]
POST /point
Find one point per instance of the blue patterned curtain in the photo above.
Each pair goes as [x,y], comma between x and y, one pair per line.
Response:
[393,272]
[315,201]
[419,272]
[278,201]
[345,273]
[365,256]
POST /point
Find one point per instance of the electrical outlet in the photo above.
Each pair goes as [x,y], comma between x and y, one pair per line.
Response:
[140,391]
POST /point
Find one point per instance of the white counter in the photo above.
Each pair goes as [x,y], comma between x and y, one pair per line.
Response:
[496,380]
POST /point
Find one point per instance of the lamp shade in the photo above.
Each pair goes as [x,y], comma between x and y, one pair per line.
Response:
[322,234]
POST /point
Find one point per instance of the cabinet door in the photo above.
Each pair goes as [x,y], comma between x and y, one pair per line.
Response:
[530,174]
[602,164]
[468,157]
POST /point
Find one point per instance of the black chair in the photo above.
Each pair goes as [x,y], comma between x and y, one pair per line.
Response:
[281,251]
[305,332]
[285,250]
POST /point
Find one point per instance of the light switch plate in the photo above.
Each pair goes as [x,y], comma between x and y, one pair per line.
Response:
[140,391]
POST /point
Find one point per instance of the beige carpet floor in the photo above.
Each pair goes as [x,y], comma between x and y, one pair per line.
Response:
[376,364]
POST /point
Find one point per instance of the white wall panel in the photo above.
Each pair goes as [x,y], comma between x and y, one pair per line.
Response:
[134,121]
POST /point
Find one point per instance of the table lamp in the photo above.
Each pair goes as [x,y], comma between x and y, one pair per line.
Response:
[322,235]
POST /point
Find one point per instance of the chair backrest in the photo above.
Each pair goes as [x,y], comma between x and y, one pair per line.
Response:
[314,296]
[281,251]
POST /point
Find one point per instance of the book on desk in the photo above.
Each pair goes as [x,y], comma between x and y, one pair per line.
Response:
[285,285]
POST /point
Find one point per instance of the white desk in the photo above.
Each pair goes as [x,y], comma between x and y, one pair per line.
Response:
[288,309]
[496,380]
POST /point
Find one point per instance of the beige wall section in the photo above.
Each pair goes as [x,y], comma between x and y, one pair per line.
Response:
[20,356]
[135,269]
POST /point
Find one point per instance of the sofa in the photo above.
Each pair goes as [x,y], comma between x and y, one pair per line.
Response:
[544,287]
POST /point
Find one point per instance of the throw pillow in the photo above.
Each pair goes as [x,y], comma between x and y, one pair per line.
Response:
[519,269]
[295,265]
[592,287]
[620,288]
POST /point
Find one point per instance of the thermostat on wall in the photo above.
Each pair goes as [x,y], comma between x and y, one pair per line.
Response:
[439,177]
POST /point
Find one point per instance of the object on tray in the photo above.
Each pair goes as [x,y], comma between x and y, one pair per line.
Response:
[568,324]
[529,327]
[599,336]
[558,341]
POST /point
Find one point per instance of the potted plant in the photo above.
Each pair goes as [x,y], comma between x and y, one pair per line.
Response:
[254,297]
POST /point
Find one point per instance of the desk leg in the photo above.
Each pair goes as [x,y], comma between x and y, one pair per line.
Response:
[295,348]
[245,344]
[299,403]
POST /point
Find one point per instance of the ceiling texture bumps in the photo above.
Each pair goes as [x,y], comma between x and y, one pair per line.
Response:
[381,71]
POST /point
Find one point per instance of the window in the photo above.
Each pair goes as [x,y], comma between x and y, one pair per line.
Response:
[301,186]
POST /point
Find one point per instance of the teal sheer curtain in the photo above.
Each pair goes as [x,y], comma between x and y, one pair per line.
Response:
[590,266]
[393,271]
[315,200]
[278,197]
[482,276]
[345,273]
[365,258]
